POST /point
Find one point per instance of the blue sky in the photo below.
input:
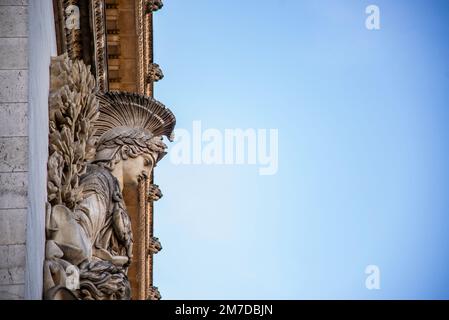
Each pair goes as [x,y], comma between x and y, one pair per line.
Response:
[363,150]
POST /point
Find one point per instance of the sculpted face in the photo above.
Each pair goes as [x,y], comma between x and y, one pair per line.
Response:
[133,168]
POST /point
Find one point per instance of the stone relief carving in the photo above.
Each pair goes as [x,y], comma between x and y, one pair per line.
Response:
[99,142]
[147,71]
[73,34]
[154,193]
[153,293]
[153,5]
[99,42]
[81,32]
[73,109]
[155,73]
[155,246]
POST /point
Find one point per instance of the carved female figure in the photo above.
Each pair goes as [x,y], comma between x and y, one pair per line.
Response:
[93,232]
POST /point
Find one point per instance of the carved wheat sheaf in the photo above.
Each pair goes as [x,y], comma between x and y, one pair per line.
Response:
[73,109]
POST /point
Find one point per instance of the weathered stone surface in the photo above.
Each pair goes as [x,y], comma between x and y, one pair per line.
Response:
[13,145]
[13,119]
[13,154]
[127,149]
[126,70]
[13,85]
[13,53]
[12,276]
[12,256]
[14,21]
[12,292]
[42,46]
[14,2]
[13,190]
[12,226]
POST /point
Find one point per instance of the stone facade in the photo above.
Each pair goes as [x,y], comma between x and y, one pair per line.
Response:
[27,41]
[31,33]
[13,146]
[42,46]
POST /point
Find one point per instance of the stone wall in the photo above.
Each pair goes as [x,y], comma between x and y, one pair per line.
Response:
[27,41]
[13,146]
[42,46]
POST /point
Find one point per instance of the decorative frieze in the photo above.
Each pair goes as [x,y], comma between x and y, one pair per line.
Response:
[99,40]
[80,31]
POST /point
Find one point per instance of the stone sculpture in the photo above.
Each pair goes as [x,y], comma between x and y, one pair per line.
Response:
[99,142]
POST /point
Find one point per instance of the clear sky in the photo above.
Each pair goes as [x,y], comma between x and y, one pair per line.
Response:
[363,175]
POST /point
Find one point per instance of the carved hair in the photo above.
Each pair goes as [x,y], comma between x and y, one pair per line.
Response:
[130,125]
[123,143]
